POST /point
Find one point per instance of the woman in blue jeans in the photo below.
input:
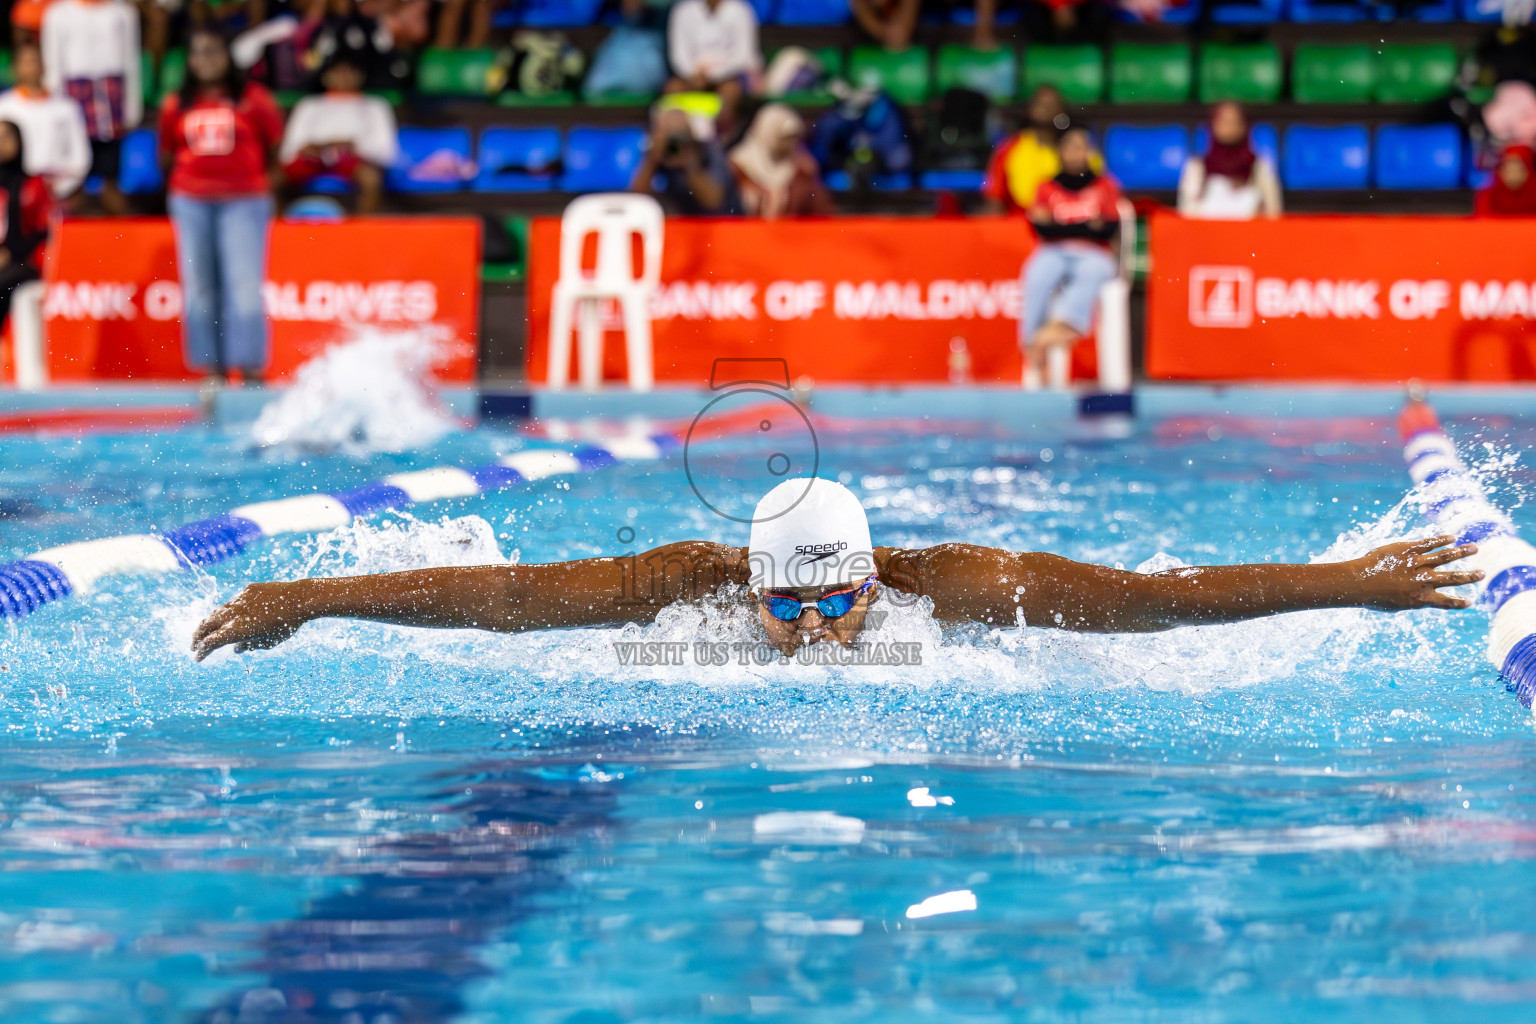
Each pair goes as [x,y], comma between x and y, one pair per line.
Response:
[1076,217]
[218,135]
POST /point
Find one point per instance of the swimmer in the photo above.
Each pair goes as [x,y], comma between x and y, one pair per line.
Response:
[812,573]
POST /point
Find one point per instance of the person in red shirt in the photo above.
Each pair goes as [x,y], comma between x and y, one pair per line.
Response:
[1075,215]
[1512,191]
[218,136]
[26,206]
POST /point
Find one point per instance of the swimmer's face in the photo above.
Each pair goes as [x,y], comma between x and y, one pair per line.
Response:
[812,627]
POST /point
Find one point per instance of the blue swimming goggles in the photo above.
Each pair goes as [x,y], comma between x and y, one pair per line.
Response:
[832,606]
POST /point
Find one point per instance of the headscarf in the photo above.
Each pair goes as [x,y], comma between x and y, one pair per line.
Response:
[1234,160]
[754,158]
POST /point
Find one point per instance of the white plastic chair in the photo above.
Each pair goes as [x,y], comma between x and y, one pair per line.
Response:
[615,217]
[1112,332]
[27,339]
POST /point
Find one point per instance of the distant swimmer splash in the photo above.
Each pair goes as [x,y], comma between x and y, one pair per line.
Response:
[813,575]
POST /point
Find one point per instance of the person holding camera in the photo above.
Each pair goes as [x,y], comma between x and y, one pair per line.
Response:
[689,174]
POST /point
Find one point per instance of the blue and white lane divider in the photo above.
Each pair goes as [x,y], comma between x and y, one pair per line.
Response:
[1456,501]
[56,573]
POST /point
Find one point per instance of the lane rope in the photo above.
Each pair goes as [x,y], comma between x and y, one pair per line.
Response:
[58,572]
[1456,501]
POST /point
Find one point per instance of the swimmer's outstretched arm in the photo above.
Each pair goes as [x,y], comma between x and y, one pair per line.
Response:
[993,586]
[504,598]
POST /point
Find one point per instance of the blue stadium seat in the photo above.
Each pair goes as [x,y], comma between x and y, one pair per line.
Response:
[1486,11]
[517,159]
[431,160]
[556,13]
[961,15]
[1253,12]
[838,181]
[329,185]
[600,159]
[1320,158]
[1478,178]
[953,181]
[811,12]
[1435,12]
[1146,156]
[1330,11]
[1264,140]
[1425,156]
[139,173]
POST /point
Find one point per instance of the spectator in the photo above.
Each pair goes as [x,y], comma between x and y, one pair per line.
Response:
[778,177]
[1511,120]
[1027,160]
[1231,182]
[91,54]
[712,46]
[450,22]
[52,128]
[1080,21]
[27,205]
[892,22]
[341,132]
[689,173]
[335,26]
[1075,216]
[218,136]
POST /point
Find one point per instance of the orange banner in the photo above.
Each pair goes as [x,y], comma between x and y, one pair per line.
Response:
[113,301]
[845,300]
[1342,299]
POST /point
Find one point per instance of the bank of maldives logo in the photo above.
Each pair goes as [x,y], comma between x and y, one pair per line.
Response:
[1220,296]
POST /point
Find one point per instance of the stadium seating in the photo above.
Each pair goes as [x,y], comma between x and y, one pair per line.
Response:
[1332,74]
[1149,73]
[555,13]
[431,160]
[838,181]
[600,159]
[953,181]
[993,73]
[1419,156]
[1326,158]
[517,160]
[1416,73]
[1146,156]
[139,172]
[455,72]
[1330,11]
[1078,71]
[812,12]
[1254,12]
[904,74]
[1247,74]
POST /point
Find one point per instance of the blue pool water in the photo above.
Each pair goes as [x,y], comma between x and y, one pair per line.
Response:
[1324,816]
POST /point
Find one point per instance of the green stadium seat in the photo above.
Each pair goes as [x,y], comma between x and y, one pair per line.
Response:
[904,75]
[620,99]
[516,270]
[513,98]
[831,59]
[1247,74]
[1078,71]
[173,72]
[1332,74]
[1149,73]
[1415,72]
[456,72]
[7,77]
[993,73]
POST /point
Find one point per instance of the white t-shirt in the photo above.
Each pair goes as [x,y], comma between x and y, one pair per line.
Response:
[93,43]
[719,44]
[1220,198]
[366,122]
[53,139]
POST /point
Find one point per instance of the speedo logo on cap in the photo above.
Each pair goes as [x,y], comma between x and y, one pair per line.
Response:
[816,552]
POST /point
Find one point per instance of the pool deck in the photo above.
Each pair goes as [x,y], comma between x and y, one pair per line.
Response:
[139,406]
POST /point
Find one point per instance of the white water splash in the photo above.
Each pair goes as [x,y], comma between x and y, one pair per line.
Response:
[371,394]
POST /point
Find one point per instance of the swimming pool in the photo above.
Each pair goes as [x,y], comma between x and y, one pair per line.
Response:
[1324,816]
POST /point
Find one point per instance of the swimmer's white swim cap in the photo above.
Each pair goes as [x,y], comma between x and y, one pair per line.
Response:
[809,533]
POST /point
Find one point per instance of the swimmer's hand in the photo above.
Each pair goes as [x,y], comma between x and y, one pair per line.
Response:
[262,615]
[1404,574]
